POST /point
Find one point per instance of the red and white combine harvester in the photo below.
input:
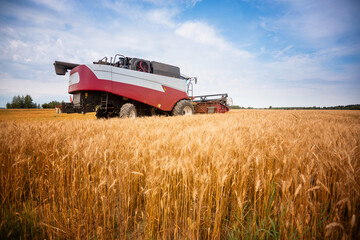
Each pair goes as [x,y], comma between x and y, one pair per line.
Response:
[130,87]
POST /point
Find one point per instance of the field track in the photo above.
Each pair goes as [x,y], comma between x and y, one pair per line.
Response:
[246,174]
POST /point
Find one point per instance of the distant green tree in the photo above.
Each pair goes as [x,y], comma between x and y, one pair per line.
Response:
[21,102]
[18,102]
[236,107]
[28,102]
[51,104]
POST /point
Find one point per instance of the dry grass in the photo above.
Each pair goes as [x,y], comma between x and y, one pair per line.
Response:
[242,175]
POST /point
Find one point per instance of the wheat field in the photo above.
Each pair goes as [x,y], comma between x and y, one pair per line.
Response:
[246,174]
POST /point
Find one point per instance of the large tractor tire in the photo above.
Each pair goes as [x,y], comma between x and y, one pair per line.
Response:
[183,107]
[128,110]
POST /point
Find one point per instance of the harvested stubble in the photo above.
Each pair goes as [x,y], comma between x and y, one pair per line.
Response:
[243,175]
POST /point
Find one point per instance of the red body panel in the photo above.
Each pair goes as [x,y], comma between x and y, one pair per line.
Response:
[162,100]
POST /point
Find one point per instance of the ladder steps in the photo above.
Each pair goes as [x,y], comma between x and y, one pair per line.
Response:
[104,100]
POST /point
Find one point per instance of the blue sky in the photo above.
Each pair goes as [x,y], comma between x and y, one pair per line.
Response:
[262,53]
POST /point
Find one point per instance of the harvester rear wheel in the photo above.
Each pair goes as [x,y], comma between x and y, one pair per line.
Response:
[128,110]
[183,107]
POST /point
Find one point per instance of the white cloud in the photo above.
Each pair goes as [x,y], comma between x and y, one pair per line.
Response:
[192,3]
[15,44]
[200,32]
[57,5]
[188,3]
[162,16]
[322,21]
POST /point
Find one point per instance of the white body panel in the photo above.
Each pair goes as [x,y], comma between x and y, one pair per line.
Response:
[141,79]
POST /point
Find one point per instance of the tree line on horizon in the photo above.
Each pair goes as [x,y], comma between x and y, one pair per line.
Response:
[27,102]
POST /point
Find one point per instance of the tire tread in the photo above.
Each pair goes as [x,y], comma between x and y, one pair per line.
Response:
[178,109]
[126,109]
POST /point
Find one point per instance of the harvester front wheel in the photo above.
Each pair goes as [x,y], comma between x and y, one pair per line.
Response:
[183,107]
[128,110]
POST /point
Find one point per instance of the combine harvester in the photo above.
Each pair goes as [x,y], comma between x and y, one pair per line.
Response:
[131,87]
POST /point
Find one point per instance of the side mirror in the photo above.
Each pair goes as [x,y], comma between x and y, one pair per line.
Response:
[195,80]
